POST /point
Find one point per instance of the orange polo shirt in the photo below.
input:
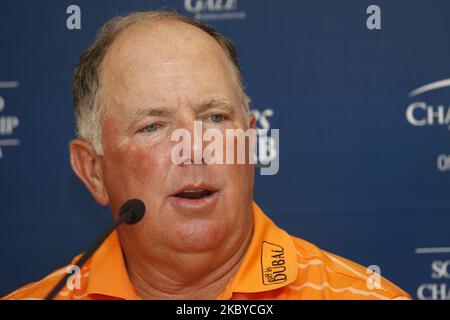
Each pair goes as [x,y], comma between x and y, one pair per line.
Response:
[276,266]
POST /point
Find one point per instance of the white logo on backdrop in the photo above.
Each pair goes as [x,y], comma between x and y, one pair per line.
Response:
[214,9]
[422,114]
[268,147]
[8,123]
[437,288]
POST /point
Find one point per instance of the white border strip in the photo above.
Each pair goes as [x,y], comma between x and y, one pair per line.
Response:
[433,250]
[9,142]
[9,84]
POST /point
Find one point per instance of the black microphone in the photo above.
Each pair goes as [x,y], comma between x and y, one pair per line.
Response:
[131,212]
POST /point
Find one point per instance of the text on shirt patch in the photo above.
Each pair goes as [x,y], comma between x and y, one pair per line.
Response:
[273,263]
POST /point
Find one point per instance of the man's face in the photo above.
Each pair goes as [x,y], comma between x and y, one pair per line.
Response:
[156,79]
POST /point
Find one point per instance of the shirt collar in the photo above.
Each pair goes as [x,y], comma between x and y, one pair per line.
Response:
[108,274]
[270,261]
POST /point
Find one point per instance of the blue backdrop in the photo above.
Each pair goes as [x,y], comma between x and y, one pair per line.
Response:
[364,160]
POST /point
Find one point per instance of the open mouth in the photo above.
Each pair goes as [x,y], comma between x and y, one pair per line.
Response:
[195,199]
[194,194]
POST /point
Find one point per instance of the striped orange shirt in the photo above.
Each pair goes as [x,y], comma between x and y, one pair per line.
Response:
[276,266]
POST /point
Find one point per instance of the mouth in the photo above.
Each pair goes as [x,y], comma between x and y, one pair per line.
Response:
[194,194]
[195,199]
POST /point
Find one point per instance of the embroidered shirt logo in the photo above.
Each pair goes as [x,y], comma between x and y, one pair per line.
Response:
[273,263]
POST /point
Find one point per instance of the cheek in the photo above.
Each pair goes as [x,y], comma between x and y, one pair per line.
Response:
[133,171]
[239,150]
[241,169]
[243,177]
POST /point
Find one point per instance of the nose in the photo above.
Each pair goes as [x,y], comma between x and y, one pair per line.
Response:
[197,143]
[189,144]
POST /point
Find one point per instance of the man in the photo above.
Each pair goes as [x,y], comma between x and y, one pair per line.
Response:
[147,75]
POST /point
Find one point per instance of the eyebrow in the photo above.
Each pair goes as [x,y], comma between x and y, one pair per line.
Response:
[159,111]
[148,112]
[217,103]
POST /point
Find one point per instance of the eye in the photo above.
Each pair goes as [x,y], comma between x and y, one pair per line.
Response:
[151,127]
[217,118]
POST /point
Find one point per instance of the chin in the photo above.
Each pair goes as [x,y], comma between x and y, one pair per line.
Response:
[199,235]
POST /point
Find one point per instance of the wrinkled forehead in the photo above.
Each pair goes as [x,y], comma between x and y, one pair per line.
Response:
[149,60]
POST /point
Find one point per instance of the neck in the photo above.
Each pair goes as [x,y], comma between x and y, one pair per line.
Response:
[187,276]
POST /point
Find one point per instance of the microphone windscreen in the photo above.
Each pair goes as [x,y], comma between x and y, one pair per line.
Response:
[134,209]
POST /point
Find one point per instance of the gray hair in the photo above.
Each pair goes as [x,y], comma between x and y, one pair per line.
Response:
[86,75]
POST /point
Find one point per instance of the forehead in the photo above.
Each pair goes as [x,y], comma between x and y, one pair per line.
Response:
[161,62]
[156,41]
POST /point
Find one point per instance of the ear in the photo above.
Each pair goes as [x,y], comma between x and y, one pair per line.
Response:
[251,121]
[87,165]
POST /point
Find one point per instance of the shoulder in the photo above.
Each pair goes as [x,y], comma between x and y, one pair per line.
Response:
[37,290]
[327,275]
